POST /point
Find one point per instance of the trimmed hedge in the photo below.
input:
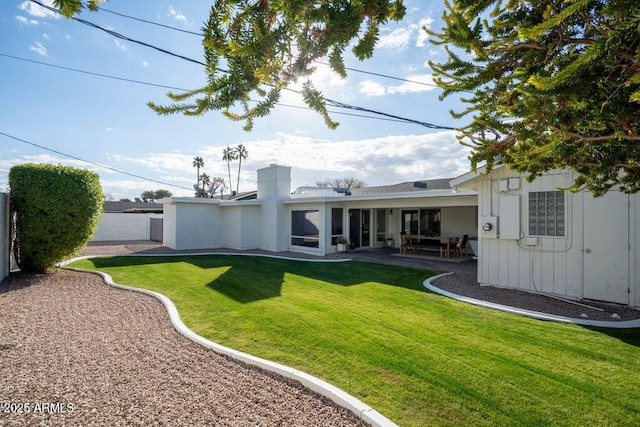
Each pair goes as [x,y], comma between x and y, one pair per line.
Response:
[56,211]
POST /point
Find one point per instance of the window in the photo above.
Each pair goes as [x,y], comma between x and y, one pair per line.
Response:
[305,228]
[430,222]
[336,224]
[423,221]
[546,213]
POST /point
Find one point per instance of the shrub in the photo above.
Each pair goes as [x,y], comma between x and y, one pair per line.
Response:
[56,211]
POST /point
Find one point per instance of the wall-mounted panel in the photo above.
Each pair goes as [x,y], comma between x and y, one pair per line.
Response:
[509,214]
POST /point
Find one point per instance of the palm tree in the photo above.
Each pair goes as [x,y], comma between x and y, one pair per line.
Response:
[205,181]
[198,163]
[241,153]
[228,155]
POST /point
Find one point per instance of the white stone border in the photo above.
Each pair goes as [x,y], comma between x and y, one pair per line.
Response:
[340,397]
[535,314]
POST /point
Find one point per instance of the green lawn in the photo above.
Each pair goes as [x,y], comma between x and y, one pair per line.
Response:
[417,357]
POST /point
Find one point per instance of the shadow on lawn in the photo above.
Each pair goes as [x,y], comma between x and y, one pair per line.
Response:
[254,278]
[629,336]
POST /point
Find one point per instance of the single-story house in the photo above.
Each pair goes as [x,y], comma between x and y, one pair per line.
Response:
[530,236]
[310,219]
[537,237]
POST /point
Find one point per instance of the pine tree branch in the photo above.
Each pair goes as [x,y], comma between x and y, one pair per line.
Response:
[600,138]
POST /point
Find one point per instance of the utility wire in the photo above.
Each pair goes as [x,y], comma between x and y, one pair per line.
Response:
[329,101]
[149,22]
[120,36]
[371,73]
[92,73]
[183,89]
[386,76]
[93,163]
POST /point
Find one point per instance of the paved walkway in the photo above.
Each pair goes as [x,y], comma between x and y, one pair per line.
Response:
[389,256]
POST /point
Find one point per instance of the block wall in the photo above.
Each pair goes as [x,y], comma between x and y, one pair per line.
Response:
[123,226]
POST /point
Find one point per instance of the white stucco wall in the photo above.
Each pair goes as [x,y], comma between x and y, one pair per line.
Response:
[241,225]
[458,221]
[123,226]
[198,226]
[169,225]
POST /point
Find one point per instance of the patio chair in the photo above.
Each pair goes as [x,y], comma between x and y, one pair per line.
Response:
[461,247]
[444,249]
[407,245]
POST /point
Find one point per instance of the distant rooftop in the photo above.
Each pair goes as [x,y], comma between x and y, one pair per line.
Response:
[132,207]
[404,187]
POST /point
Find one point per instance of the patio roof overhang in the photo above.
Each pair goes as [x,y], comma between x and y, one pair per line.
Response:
[413,195]
[203,201]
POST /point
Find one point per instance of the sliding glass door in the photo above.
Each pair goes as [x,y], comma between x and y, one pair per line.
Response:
[360,227]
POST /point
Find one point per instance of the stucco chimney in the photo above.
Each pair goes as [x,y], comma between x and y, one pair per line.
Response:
[274,185]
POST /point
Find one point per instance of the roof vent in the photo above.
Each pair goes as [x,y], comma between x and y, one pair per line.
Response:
[341,190]
[420,184]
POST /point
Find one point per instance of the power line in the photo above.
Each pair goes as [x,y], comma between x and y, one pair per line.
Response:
[386,76]
[149,22]
[93,163]
[371,73]
[329,101]
[91,73]
[183,89]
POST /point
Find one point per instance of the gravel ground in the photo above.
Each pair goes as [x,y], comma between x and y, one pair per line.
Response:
[74,351]
[467,285]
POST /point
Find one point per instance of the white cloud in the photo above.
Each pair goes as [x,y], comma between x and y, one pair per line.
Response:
[25,21]
[145,64]
[398,38]
[163,162]
[177,178]
[178,16]
[325,77]
[39,49]
[377,161]
[411,87]
[38,11]
[414,85]
[371,88]
[422,35]
[120,45]
[46,36]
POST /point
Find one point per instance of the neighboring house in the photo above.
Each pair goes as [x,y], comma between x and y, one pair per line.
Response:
[128,221]
[537,237]
[310,219]
[132,207]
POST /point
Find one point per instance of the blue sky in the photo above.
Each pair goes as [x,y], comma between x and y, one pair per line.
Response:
[106,121]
